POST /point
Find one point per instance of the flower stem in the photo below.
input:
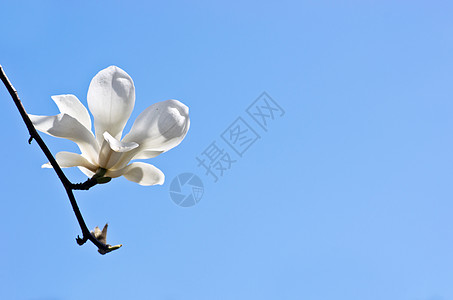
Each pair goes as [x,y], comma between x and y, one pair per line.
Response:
[69,187]
[97,178]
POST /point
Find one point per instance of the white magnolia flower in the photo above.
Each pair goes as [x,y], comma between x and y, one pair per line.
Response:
[111,98]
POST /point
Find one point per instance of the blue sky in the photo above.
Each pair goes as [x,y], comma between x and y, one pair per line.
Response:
[345,196]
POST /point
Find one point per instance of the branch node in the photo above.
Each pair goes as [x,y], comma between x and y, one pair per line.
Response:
[30,140]
[80,241]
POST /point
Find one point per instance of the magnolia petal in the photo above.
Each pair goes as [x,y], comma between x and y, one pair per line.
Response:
[157,129]
[135,154]
[160,127]
[84,170]
[111,98]
[87,172]
[112,149]
[141,173]
[69,159]
[145,154]
[70,105]
[65,126]
[119,146]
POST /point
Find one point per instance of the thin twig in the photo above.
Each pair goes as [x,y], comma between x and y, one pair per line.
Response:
[89,183]
[69,187]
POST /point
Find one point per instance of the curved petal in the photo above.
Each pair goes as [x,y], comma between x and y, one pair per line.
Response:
[145,154]
[119,146]
[112,150]
[160,127]
[111,99]
[70,105]
[69,159]
[87,172]
[141,173]
[136,153]
[65,126]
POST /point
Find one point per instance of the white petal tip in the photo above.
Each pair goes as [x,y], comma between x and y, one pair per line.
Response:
[141,173]
[118,146]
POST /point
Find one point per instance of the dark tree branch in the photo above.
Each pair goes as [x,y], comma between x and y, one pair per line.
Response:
[69,187]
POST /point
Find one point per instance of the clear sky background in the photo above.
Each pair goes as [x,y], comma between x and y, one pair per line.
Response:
[348,195]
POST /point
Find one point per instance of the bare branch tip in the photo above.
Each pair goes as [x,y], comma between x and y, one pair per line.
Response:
[80,241]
